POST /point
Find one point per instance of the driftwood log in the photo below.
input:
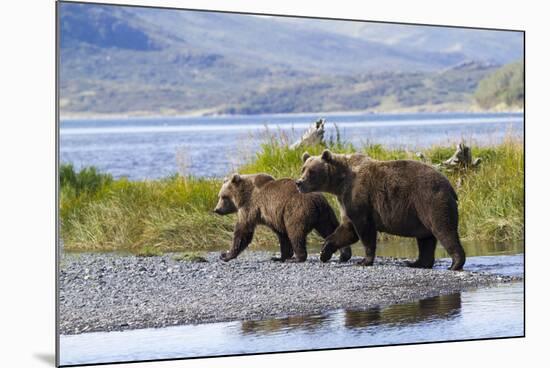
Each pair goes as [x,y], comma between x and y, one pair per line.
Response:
[462,158]
[313,136]
[460,161]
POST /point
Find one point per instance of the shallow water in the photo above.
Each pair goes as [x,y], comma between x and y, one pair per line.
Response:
[140,148]
[407,248]
[482,313]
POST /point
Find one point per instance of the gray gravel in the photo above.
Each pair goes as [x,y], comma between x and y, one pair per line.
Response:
[106,292]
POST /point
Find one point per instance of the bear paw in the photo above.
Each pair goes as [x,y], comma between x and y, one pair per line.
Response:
[365,262]
[345,255]
[326,253]
[225,256]
[419,264]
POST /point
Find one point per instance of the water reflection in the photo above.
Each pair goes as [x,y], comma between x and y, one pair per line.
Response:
[295,323]
[422,311]
[440,307]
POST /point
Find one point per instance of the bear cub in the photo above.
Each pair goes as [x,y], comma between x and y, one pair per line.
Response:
[259,199]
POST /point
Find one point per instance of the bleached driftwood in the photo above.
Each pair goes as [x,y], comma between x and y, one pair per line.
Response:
[313,136]
[461,159]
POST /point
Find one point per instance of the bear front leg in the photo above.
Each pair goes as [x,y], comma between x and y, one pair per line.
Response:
[242,236]
[342,238]
[368,238]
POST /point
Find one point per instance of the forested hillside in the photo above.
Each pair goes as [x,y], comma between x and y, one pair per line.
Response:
[503,88]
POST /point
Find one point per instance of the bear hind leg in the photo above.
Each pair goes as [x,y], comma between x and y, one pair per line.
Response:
[452,245]
[340,239]
[426,253]
[444,226]
[345,252]
[285,247]
[299,248]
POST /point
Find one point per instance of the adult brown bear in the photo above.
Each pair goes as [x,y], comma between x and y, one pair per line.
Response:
[401,197]
[259,199]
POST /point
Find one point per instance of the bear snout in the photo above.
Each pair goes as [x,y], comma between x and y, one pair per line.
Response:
[300,185]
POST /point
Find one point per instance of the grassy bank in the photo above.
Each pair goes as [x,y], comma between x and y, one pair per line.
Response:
[175,213]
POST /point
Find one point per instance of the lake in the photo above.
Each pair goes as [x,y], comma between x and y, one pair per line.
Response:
[149,148]
[474,314]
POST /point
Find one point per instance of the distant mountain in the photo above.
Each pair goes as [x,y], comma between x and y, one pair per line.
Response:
[300,44]
[108,27]
[499,47]
[157,61]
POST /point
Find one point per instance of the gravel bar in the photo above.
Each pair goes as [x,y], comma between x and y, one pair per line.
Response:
[110,292]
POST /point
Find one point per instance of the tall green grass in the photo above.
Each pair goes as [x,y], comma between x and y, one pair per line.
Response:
[175,213]
[491,197]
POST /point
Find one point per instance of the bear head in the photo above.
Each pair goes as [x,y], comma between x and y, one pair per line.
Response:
[320,173]
[236,191]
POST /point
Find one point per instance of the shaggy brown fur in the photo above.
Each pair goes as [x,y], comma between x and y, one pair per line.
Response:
[261,200]
[402,197]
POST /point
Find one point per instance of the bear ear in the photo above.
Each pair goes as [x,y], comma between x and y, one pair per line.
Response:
[236,178]
[326,155]
[261,179]
[305,156]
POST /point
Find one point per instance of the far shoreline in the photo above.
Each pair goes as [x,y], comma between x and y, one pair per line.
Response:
[191,115]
